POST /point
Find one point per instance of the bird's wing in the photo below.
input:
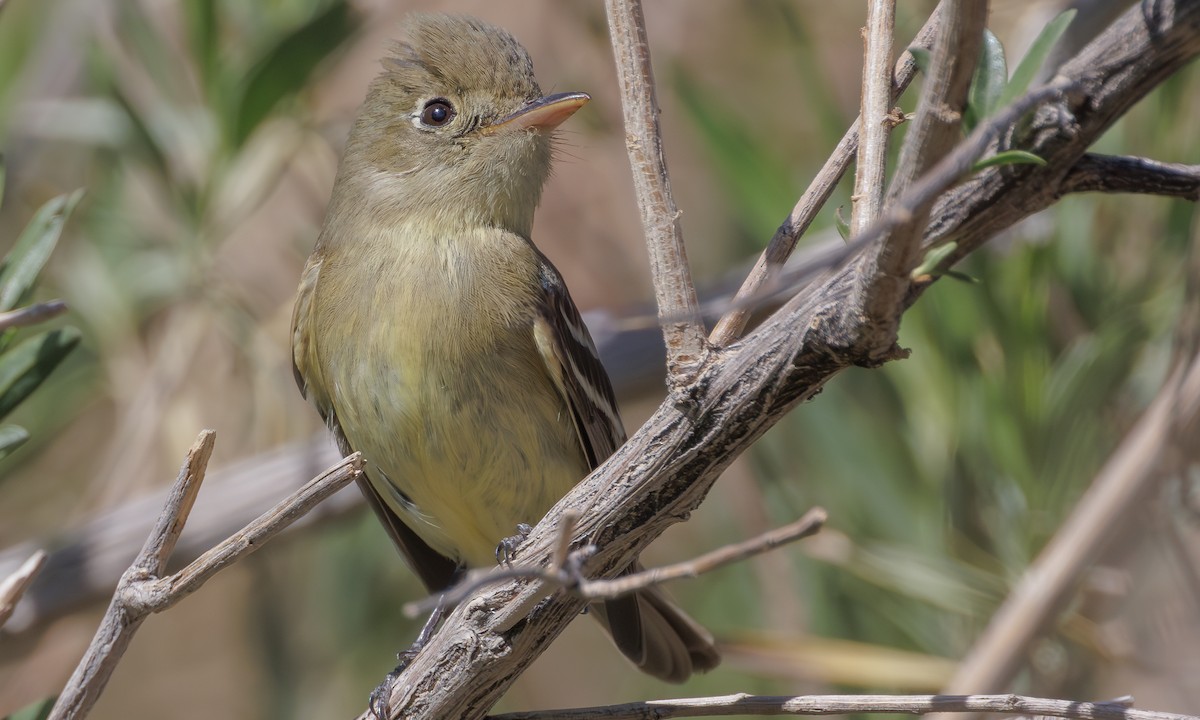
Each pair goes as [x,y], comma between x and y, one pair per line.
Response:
[436,571]
[570,355]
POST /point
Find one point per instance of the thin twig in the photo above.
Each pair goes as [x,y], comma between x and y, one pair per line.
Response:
[13,588]
[783,242]
[884,276]
[142,590]
[743,704]
[32,315]
[566,529]
[806,526]
[91,557]
[922,194]
[120,623]
[265,527]
[678,308]
[566,576]
[870,170]
[1125,174]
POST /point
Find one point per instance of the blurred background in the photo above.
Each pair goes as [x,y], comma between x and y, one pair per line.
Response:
[206,134]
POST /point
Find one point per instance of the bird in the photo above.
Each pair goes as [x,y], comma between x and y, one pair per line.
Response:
[434,337]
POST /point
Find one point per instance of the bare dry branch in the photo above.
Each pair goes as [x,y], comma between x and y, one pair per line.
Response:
[564,574]
[783,242]
[808,525]
[93,555]
[743,704]
[884,276]
[678,308]
[1115,71]
[870,170]
[142,590]
[121,621]
[1114,174]
[254,535]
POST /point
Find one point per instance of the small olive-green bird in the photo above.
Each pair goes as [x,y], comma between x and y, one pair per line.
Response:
[438,341]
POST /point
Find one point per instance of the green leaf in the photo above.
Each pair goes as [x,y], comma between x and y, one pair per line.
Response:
[841,223]
[202,38]
[1008,157]
[988,83]
[922,57]
[2,173]
[25,261]
[961,277]
[153,50]
[933,258]
[143,141]
[1033,60]
[286,68]
[39,710]
[11,438]
[27,365]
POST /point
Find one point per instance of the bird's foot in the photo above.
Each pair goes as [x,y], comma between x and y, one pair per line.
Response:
[381,696]
[506,549]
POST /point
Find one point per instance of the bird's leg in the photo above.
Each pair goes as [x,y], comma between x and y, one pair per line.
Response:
[383,693]
[506,549]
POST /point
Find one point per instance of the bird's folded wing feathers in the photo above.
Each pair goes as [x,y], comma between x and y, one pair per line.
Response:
[570,355]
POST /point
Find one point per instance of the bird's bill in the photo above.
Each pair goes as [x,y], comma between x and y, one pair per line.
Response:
[544,113]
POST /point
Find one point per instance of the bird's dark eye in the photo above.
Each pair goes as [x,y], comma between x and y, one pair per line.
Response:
[437,113]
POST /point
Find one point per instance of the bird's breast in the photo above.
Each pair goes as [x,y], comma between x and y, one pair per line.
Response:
[438,381]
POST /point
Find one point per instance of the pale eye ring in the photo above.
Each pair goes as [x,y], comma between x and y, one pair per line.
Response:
[438,113]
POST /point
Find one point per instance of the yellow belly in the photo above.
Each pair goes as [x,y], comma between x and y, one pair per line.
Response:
[439,384]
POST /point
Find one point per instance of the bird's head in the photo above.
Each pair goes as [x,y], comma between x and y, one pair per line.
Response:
[456,126]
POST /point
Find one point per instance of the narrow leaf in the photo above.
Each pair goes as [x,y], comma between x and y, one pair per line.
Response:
[11,438]
[1008,157]
[202,38]
[988,83]
[27,365]
[1032,62]
[922,57]
[143,140]
[286,68]
[962,277]
[933,258]
[39,710]
[841,223]
[25,261]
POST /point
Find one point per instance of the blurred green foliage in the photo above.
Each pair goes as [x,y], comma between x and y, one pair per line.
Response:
[26,366]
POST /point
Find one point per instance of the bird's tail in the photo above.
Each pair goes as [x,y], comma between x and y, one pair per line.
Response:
[657,635]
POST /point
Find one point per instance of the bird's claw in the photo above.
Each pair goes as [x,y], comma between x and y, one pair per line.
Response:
[381,696]
[506,549]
